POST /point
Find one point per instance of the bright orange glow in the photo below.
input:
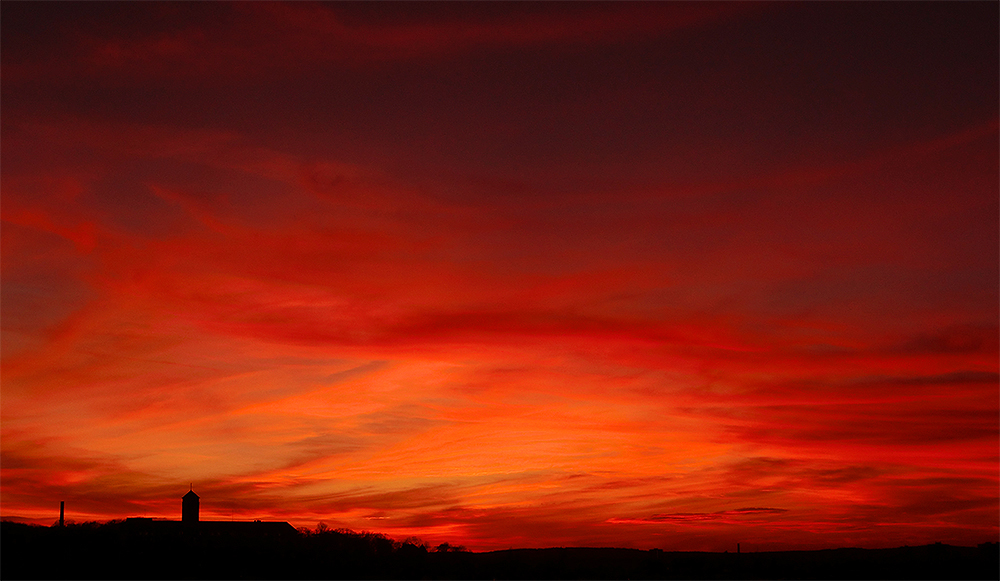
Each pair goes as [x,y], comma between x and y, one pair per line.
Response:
[650,275]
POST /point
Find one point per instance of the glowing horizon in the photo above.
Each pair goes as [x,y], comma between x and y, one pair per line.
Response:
[673,275]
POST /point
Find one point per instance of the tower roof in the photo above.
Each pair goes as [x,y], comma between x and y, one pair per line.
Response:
[190,494]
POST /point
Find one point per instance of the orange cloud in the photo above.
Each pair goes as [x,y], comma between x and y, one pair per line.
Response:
[525,283]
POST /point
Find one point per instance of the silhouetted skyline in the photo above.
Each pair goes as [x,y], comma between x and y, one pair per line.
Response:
[141,548]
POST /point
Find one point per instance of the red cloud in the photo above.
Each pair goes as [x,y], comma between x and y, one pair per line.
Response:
[245,41]
[681,517]
[562,278]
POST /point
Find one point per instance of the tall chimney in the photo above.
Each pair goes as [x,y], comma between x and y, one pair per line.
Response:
[62,512]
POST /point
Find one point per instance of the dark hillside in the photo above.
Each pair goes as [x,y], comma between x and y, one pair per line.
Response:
[117,550]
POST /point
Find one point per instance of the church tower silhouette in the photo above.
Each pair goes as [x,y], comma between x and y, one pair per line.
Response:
[189,507]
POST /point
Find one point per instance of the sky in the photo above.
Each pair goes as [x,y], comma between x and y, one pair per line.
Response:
[673,275]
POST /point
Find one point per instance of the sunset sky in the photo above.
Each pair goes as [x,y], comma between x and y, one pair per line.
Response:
[506,275]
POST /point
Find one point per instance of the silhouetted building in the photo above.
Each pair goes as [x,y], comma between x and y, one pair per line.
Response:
[62,513]
[189,507]
[191,524]
[219,528]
